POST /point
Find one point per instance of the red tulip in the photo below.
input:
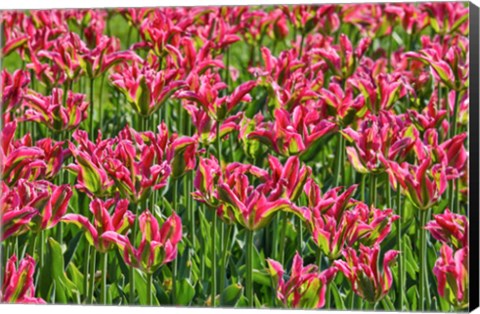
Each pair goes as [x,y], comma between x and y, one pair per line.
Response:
[207,96]
[423,184]
[306,286]
[55,113]
[451,270]
[16,217]
[120,222]
[145,88]
[18,283]
[13,89]
[18,159]
[291,177]
[449,228]
[157,247]
[296,133]
[251,206]
[362,271]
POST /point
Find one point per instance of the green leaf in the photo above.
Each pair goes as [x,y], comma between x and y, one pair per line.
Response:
[72,247]
[231,295]
[337,297]
[53,273]
[185,292]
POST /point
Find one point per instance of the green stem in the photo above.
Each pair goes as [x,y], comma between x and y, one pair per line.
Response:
[103,294]
[223,270]
[149,288]
[92,132]
[281,252]
[86,265]
[132,240]
[100,105]
[249,281]
[362,188]
[339,163]
[401,271]
[423,258]
[373,189]
[175,261]
[91,278]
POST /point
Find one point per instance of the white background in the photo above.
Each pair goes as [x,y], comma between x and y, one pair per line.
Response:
[76,309]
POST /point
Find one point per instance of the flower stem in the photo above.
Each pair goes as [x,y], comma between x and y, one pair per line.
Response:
[249,281]
[423,258]
[92,132]
[401,271]
[175,261]
[373,189]
[339,161]
[91,284]
[281,253]
[103,295]
[224,261]
[149,288]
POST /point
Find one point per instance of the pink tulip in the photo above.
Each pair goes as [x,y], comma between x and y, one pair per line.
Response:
[382,138]
[207,96]
[65,55]
[18,159]
[182,155]
[120,222]
[13,89]
[18,283]
[451,270]
[251,206]
[54,113]
[423,184]
[449,228]
[291,177]
[293,133]
[306,286]
[145,88]
[206,179]
[362,271]
[157,247]
[103,56]
[447,18]
[54,156]
[16,217]
[343,106]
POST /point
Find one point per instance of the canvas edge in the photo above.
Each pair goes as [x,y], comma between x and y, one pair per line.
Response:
[474,135]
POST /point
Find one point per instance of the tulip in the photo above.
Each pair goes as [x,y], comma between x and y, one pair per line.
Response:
[120,221]
[207,97]
[362,271]
[252,207]
[15,215]
[451,270]
[181,154]
[157,247]
[291,176]
[13,88]
[449,228]
[18,283]
[103,56]
[375,141]
[57,112]
[18,159]
[305,287]
[54,156]
[145,88]
[292,134]
[342,60]
[423,184]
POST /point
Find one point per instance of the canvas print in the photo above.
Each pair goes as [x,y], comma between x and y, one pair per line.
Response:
[283,156]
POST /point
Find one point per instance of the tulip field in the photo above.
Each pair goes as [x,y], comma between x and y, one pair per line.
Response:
[301,156]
